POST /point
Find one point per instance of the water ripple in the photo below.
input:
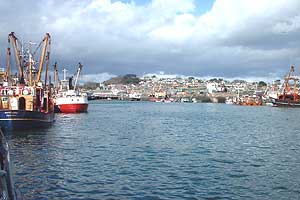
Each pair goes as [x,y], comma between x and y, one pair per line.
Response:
[162,151]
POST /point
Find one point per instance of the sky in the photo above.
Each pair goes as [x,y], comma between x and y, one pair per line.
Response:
[203,38]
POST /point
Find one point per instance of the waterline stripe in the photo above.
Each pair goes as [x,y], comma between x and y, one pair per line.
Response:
[25,119]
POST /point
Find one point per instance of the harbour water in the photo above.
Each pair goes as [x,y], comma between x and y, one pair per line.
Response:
[141,150]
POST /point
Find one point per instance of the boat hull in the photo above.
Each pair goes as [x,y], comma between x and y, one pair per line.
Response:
[286,104]
[72,104]
[22,119]
[73,108]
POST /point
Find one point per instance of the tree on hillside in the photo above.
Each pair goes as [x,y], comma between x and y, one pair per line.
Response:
[131,79]
[129,76]
[126,79]
[262,84]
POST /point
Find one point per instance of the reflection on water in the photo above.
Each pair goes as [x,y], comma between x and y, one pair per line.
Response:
[162,151]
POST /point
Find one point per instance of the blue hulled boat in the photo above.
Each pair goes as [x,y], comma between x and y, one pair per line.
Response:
[22,119]
[25,100]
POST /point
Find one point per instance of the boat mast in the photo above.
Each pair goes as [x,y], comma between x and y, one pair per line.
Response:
[47,66]
[44,55]
[286,82]
[295,92]
[56,78]
[8,65]
[77,76]
[14,39]
[65,74]
[30,69]
[31,62]
[286,86]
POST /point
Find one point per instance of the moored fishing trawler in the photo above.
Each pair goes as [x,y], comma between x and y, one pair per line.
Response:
[68,98]
[25,100]
[288,96]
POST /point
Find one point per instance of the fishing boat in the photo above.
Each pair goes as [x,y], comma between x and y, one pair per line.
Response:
[288,96]
[25,99]
[229,100]
[135,96]
[248,100]
[152,98]
[69,99]
[185,100]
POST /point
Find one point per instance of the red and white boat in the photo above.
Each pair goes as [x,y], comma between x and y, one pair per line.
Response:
[68,98]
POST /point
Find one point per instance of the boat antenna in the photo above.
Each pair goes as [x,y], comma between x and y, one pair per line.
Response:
[65,74]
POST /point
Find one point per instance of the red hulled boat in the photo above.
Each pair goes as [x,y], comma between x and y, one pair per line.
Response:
[289,94]
[68,98]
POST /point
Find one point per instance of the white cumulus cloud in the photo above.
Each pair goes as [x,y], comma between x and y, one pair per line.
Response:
[233,38]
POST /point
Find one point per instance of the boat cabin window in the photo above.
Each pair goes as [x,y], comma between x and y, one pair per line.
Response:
[3,92]
[45,102]
[22,105]
[38,101]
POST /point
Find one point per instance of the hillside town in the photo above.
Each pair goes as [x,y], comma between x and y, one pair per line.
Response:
[178,89]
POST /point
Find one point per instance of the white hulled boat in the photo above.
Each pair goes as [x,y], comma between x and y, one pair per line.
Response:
[68,98]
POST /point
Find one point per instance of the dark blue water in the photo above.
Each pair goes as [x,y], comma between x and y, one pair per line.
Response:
[162,151]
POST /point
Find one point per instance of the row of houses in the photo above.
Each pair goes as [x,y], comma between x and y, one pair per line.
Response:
[175,88]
